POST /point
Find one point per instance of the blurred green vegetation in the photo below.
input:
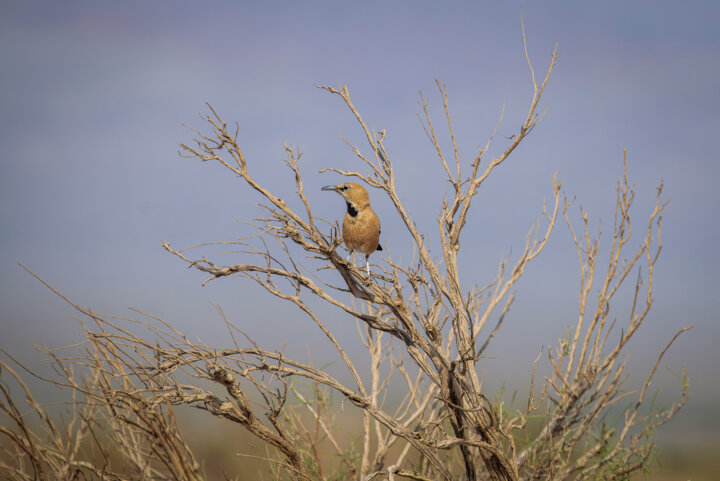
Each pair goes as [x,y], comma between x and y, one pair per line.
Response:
[687,461]
[228,451]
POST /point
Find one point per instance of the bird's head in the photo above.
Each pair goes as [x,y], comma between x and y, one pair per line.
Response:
[352,192]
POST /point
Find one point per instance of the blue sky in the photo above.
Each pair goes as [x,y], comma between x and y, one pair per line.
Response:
[94,98]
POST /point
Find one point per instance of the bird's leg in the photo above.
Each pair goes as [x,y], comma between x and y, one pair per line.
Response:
[348,257]
[367,263]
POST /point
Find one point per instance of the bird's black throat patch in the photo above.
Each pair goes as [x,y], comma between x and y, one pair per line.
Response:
[351,210]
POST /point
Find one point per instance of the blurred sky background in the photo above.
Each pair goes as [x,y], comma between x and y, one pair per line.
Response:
[94,95]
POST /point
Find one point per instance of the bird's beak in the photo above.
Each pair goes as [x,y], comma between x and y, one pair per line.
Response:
[330,187]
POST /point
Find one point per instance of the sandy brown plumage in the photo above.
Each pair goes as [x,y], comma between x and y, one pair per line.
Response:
[361,226]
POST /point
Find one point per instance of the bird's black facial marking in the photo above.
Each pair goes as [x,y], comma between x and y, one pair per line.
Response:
[345,187]
[351,210]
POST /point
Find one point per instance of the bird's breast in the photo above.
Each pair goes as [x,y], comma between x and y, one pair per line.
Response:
[362,232]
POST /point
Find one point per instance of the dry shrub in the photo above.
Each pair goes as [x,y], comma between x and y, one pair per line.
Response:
[420,327]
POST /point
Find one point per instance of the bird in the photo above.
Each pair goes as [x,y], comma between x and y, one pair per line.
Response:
[361,226]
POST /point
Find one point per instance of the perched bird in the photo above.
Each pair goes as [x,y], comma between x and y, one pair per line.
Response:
[361,226]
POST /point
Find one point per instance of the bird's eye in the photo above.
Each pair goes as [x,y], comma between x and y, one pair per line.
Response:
[344,187]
